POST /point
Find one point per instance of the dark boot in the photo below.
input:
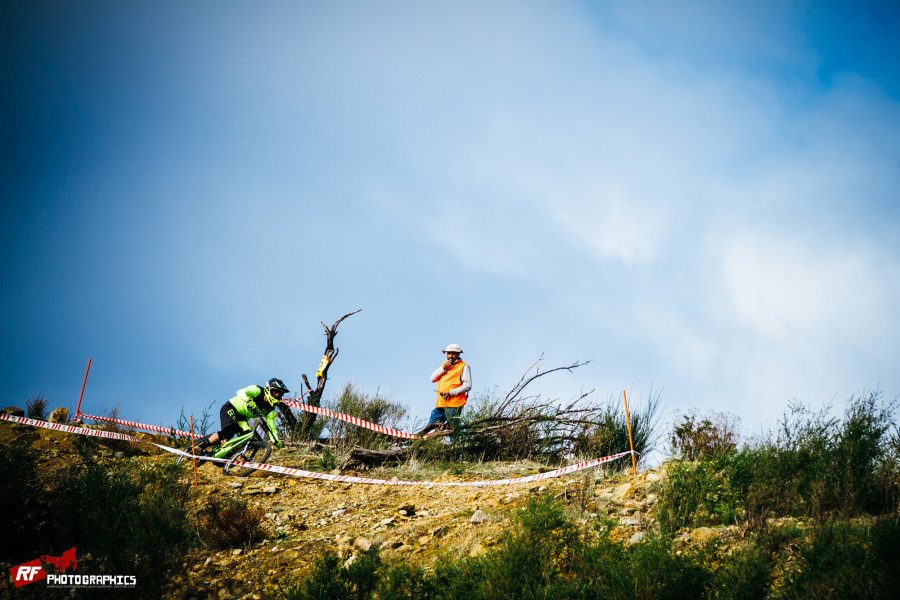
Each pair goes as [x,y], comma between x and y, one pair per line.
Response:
[428,428]
[202,447]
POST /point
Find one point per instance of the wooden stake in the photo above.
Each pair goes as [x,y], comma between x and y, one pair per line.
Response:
[630,443]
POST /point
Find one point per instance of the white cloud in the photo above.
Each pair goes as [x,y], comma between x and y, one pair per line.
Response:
[805,317]
[785,289]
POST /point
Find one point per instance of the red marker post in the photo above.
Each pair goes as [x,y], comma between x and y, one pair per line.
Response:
[78,408]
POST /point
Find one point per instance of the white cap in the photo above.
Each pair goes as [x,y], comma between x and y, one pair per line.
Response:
[452,348]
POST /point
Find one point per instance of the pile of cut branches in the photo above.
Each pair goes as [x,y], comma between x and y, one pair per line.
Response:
[524,426]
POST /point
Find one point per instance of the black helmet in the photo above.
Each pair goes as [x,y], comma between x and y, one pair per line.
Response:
[276,384]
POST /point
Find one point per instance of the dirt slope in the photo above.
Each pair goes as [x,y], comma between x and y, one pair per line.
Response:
[418,524]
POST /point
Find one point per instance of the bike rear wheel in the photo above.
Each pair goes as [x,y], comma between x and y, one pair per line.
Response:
[256,452]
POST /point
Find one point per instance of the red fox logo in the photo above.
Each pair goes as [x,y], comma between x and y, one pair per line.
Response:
[62,562]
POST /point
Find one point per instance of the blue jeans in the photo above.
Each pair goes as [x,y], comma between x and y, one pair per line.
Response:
[449,414]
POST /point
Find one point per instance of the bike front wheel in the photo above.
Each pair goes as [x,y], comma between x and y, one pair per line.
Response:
[256,451]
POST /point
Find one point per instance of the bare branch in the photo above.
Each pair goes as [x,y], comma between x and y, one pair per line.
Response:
[524,381]
[330,354]
[530,423]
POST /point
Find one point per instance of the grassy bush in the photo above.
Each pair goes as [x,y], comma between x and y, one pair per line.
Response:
[813,466]
[714,434]
[536,560]
[405,581]
[817,466]
[547,556]
[744,575]
[328,461]
[36,408]
[607,433]
[886,477]
[540,430]
[130,517]
[861,446]
[123,517]
[848,560]
[329,578]
[20,500]
[374,409]
[204,425]
[694,494]
[229,523]
[650,570]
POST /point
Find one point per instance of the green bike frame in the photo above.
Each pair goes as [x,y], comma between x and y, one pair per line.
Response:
[227,449]
[251,447]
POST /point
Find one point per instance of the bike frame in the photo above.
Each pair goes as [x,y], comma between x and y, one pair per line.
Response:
[228,447]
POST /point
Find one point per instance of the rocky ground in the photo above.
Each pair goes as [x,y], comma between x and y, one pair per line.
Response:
[418,524]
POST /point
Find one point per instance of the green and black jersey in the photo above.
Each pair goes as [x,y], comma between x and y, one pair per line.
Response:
[253,402]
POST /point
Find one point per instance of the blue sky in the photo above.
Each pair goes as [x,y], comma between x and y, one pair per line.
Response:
[699,197]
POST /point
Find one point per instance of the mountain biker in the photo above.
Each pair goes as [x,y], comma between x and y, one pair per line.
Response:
[250,402]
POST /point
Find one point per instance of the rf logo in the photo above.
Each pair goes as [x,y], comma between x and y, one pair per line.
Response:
[28,573]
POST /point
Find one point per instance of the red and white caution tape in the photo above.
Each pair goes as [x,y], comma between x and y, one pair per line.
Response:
[352,479]
[350,419]
[165,430]
[306,407]
[70,428]
[321,476]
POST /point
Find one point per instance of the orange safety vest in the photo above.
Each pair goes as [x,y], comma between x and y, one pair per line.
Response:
[450,380]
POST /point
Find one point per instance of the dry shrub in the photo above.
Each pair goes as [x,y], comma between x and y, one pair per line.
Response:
[607,432]
[227,523]
[374,409]
[522,426]
[129,448]
[36,408]
[714,434]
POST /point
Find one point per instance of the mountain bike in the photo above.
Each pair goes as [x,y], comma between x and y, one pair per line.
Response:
[252,446]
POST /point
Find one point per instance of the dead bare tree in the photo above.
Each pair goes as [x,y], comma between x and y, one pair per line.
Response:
[331,353]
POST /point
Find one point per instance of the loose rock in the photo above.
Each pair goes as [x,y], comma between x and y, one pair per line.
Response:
[621,493]
[702,535]
[59,415]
